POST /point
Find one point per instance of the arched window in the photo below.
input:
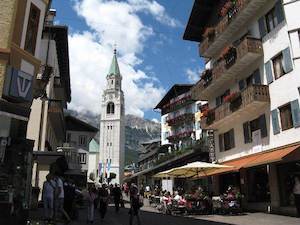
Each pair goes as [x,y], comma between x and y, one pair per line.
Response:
[110,109]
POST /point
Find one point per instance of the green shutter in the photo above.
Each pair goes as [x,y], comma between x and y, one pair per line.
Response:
[295,113]
[287,60]
[275,121]
[279,11]
[262,27]
[256,77]
[269,74]
[247,137]
[263,126]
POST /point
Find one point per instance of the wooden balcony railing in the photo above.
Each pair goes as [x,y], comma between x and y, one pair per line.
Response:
[186,117]
[230,66]
[253,93]
[229,25]
[172,106]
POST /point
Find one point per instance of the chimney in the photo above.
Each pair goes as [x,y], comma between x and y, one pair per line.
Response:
[50,17]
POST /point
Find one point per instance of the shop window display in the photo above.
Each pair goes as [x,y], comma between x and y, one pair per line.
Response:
[258,188]
[286,173]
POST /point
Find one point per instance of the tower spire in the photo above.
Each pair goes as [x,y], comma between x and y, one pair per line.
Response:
[114,67]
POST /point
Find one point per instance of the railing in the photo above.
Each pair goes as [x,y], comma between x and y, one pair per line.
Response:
[223,23]
[185,117]
[180,135]
[241,100]
[179,103]
[231,57]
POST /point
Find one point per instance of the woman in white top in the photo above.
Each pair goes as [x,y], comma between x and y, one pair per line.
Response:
[296,192]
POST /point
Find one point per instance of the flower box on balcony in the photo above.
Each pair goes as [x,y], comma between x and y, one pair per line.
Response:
[230,97]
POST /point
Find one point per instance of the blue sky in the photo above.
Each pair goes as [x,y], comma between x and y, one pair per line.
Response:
[152,54]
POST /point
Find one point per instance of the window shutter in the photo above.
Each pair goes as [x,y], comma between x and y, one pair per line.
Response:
[295,113]
[241,84]
[287,60]
[279,11]
[262,27]
[247,137]
[275,121]
[231,134]
[263,126]
[221,142]
[269,75]
[256,77]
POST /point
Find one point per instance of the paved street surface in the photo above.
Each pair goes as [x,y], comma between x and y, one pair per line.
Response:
[149,216]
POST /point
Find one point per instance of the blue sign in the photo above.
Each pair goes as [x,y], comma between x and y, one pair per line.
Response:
[18,85]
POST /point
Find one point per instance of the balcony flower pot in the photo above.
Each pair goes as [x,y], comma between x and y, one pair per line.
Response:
[226,7]
[230,97]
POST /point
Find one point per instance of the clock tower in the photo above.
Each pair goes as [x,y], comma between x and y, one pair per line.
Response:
[112,125]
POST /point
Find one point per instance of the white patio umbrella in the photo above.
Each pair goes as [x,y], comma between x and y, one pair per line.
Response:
[163,174]
[195,169]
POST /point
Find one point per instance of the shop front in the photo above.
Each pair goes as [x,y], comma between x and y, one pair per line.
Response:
[265,180]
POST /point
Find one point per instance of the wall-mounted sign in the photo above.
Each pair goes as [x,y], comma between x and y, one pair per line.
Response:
[18,85]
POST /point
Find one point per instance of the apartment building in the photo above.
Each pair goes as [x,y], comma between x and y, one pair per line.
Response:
[21,25]
[251,82]
[182,140]
[79,136]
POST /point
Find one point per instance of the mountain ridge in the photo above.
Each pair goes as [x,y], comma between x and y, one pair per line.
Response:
[137,130]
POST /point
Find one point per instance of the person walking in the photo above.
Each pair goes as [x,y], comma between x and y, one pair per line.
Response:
[59,197]
[296,192]
[103,200]
[48,197]
[117,194]
[134,205]
[91,196]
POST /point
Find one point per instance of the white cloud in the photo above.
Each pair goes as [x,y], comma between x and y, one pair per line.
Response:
[155,120]
[193,75]
[91,53]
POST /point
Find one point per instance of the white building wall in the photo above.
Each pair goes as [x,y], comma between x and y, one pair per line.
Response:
[282,90]
[92,165]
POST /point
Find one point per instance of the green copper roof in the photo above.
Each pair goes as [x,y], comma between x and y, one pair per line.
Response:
[93,146]
[114,67]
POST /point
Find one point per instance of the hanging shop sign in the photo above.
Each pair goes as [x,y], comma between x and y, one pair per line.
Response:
[18,85]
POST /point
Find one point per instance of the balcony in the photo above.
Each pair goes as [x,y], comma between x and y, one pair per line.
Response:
[230,25]
[230,67]
[56,117]
[176,104]
[180,135]
[246,102]
[181,119]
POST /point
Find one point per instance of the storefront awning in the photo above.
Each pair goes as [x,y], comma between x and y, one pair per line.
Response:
[276,155]
[236,165]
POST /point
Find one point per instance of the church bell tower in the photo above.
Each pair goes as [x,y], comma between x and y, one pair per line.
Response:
[112,125]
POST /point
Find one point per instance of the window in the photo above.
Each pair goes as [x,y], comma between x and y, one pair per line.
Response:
[32,29]
[111,127]
[82,158]
[271,20]
[68,137]
[278,66]
[256,124]
[110,109]
[226,141]
[112,81]
[286,117]
[82,140]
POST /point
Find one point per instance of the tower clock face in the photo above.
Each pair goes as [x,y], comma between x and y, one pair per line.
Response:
[110,96]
